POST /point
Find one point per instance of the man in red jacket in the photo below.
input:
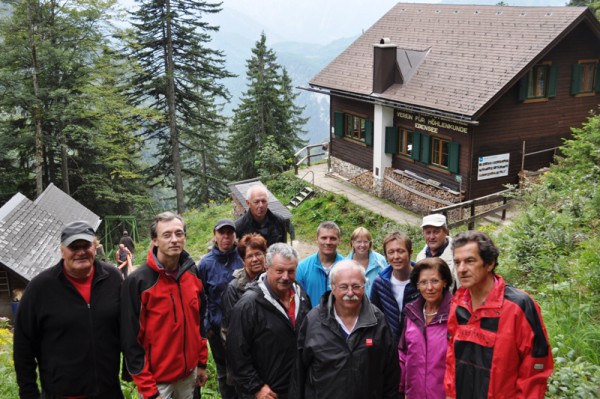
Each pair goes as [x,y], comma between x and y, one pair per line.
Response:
[497,342]
[161,338]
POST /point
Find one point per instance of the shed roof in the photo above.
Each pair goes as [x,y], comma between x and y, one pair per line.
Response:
[239,190]
[64,207]
[28,237]
[476,52]
[30,231]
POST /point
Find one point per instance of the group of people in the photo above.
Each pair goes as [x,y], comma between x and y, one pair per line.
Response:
[366,325]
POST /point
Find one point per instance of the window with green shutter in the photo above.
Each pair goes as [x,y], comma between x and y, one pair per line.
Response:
[539,83]
[338,124]
[369,133]
[425,148]
[584,78]
[416,146]
[453,156]
[391,140]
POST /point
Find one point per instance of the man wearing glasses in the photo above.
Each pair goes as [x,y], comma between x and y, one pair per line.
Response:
[345,345]
[161,301]
[68,324]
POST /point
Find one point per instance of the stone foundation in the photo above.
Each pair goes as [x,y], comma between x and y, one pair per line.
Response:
[417,196]
[346,169]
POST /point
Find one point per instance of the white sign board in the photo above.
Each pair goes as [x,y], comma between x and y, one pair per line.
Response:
[493,166]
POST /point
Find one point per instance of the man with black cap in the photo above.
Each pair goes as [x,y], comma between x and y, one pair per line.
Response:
[216,271]
[67,325]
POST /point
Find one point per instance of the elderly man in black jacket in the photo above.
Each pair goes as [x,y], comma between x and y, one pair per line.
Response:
[261,343]
[68,325]
[345,347]
[259,218]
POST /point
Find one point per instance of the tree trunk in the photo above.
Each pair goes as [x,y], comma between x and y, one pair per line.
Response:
[172,114]
[36,112]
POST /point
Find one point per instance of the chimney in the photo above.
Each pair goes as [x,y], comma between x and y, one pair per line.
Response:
[384,65]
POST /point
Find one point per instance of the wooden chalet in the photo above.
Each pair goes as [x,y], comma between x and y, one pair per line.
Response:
[436,104]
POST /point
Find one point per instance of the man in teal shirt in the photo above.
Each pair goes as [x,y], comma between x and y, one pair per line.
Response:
[313,271]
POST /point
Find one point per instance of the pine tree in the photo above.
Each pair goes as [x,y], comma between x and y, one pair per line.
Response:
[266,110]
[179,78]
[58,82]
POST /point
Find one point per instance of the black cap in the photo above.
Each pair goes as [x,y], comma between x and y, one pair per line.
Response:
[224,223]
[79,230]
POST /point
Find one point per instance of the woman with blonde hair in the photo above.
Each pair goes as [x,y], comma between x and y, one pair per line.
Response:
[362,253]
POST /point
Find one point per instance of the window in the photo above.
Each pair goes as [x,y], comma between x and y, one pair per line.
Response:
[585,79]
[354,127]
[405,142]
[439,152]
[539,82]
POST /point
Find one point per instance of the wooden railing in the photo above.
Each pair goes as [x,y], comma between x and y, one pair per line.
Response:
[309,155]
[501,197]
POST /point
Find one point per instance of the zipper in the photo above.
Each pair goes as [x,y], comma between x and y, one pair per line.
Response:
[174,307]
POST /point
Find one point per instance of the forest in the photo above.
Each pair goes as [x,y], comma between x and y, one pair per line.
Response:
[127,120]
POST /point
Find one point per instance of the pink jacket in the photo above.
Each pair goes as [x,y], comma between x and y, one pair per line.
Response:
[422,351]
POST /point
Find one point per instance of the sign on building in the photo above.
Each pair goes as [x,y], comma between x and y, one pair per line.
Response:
[493,166]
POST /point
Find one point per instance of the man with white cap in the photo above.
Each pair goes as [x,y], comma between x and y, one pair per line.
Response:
[67,325]
[438,242]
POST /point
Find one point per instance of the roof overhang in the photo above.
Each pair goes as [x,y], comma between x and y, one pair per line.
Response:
[376,100]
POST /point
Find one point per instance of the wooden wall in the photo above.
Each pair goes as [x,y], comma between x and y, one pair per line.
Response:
[347,149]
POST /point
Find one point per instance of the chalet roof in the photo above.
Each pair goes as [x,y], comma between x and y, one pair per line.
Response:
[476,52]
[240,189]
[30,231]
[64,207]
[29,237]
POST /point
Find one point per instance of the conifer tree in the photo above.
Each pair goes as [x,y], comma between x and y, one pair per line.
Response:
[58,96]
[266,110]
[179,77]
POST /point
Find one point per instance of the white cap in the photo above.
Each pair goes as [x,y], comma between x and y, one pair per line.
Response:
[435,219]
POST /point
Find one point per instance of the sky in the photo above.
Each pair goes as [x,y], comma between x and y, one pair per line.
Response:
[323,21]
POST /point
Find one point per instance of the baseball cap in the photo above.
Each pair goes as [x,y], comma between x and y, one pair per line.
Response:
[436,220]
[79,230]
[224,223]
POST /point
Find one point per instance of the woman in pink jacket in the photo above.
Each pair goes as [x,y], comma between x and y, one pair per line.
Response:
[422,348]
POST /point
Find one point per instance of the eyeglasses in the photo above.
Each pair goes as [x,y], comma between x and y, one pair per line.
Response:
[354,288]
[362,242]
[425,283]
[76,247]
[257,255]
[178,234]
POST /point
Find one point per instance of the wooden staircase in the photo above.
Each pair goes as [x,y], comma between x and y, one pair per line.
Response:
[304,194]
[4,284]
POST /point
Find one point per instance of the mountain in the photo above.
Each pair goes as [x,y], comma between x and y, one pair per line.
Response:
[237,36]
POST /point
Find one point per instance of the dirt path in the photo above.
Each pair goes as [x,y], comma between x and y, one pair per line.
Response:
[304,249]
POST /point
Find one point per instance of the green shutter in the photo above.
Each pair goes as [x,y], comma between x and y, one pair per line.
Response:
[425,149]
[575,76]
[453,156]
[338,124]
[552,80]
[391,140]
[416,146]
[523,83]
[369,133]
[597,78]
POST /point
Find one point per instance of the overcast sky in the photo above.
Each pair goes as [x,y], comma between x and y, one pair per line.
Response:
[323,21]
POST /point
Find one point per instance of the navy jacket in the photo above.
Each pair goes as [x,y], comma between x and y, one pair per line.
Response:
[383,297]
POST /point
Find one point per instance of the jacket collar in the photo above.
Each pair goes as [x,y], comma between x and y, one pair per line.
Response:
[494,299]
[414,310]
[366,316]
[185,262]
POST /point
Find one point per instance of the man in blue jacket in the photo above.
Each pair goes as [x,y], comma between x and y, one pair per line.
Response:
[216,271]
[313,272]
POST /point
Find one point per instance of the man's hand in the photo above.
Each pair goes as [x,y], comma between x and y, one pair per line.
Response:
[266,393]
[201,377]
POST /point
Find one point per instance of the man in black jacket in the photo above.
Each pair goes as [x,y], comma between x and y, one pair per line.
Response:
[261,343]
[345,347]
[68,325]
[259,218]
